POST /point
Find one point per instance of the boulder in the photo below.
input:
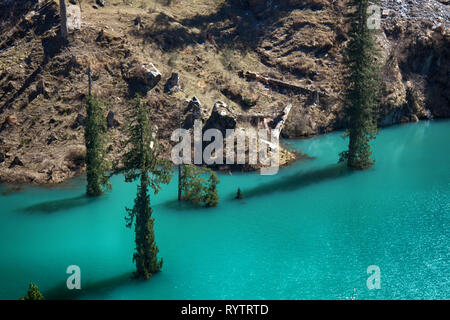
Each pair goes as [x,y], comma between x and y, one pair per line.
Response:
[76,154]
[9,122]
[37,90]
[221,118]
[138,22]
[142,77]
[51,139]
[41,88]
[16,162]
[80,120]
[193,112]
[111,120]
[108,38]
[2,157]
[173,83]
[73,18]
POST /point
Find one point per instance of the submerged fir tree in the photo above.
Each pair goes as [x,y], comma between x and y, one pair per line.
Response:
[199,186]
[143,162]
[33,293]
[363,87]
[212,195]
[94,136]
[239,194]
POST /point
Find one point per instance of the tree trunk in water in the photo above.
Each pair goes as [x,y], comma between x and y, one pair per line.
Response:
[179,182]
[63,15]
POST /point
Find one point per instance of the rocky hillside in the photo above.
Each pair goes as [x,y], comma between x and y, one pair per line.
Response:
[250,58]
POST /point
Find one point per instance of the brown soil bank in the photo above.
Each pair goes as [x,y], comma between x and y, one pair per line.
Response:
[254,56]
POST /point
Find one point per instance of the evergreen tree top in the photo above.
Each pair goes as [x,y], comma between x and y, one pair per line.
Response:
[143,159]
[33,293]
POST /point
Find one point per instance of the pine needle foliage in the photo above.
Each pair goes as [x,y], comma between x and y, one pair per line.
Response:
[143,162]
[363,87]
[95,140]
[33,293]
[199,186]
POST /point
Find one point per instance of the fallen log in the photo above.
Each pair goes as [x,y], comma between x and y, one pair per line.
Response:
[283,118]
[281,84]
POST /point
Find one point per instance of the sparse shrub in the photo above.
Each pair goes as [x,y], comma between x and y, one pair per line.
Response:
[248,102]
[76,155]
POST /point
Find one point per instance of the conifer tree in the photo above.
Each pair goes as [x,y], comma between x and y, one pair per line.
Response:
[94,135]
[199,186]
[212,196]
[363,87]
[239,194]
[143,162]
[33,293]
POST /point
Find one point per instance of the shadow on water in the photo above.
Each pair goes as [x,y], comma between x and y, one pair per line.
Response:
[96,288]
[300,180]
[10,190]
[59,205]
[176,205]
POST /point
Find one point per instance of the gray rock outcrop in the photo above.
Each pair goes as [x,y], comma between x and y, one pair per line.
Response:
[221,118]
[193,112]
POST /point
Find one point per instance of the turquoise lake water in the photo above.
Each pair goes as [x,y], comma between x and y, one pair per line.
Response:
[309,232]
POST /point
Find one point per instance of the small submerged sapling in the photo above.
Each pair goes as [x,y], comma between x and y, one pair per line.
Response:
[239,194]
